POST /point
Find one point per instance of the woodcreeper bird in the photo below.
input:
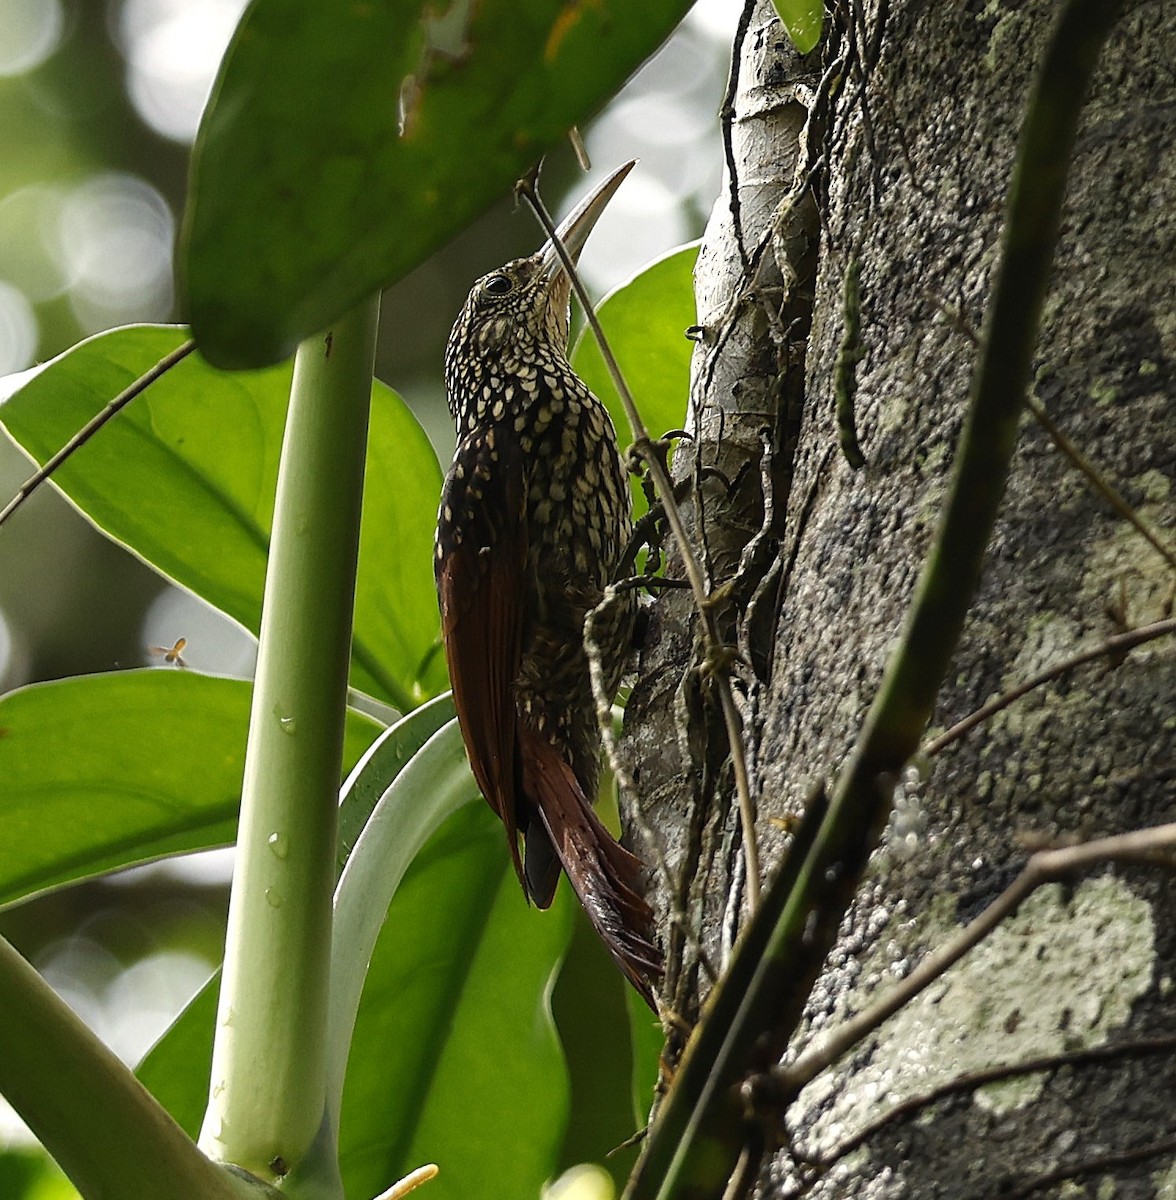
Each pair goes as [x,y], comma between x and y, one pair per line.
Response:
[534,519]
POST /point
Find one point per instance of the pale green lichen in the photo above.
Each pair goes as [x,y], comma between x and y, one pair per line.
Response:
[1124,564]
[1165,1183]
[1002,40]
[1165,322]
[1103,393]
[1062,974]
[1155,485]
[1048,638]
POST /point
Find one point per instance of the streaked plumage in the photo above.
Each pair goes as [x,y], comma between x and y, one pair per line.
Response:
[534,518]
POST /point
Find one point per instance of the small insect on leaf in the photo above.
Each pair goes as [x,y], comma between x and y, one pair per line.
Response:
[802,20]
[173,656]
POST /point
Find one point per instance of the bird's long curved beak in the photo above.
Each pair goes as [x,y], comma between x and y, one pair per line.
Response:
[574,229]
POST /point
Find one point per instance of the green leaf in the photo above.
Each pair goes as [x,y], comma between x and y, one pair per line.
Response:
[103,771]
[397,627]
[185,476]
[648,1041]
[802,21]
[454,1051]
[28,1173]
[454,1054]
[645,321]
[455,1007]
[388,755]
[176,1069]
[589,1003]
[305,195]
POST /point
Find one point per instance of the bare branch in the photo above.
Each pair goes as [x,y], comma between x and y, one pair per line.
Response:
[1098,481]
[976,1079]
[92,426]
[1157,844]
[1099,1164]
[1112,648]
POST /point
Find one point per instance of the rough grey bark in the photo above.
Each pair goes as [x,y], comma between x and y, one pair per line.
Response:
[915,113]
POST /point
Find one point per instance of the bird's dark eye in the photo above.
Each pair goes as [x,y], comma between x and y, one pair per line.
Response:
[498,285]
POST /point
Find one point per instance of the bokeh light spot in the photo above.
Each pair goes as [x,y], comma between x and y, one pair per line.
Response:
[29,33]
[173,49]
[29,220]
[18,329]
[115,239]
[715,18]
[142,1001]
[5,647]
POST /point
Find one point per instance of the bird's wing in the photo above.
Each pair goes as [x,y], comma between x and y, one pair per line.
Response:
[480,566]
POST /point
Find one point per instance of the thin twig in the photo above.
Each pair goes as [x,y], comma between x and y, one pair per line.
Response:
[1046,866]
[624,780]
[1112,647]
[579,149]
[1099,1164]
[654,455]
[644,532]
[604,705]
[973,1080]
[726,117]
[1098,481]
[95,423]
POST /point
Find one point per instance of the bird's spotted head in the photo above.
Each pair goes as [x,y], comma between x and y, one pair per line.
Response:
[517,316]
[520,305]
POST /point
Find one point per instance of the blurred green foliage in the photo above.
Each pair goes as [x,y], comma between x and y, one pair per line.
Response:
[185,479]
[141,764]
[104,771]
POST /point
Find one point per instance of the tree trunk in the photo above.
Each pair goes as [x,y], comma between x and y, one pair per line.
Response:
[895,190]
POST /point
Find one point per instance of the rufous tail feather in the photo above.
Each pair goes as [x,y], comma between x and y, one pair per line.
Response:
[605,876]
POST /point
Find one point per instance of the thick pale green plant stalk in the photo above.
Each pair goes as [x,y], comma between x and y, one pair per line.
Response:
[268,1089]
[104,1129]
